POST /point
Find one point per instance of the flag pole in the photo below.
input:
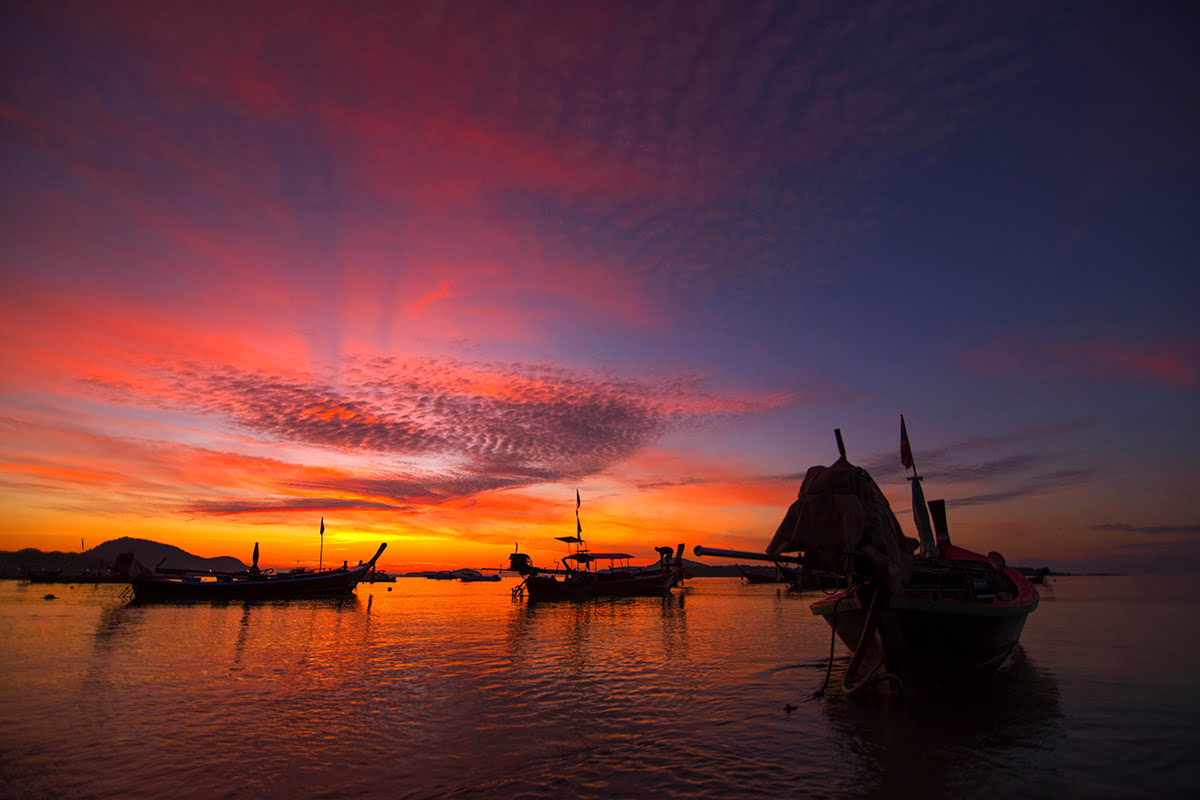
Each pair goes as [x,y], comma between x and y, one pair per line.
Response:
[920,509]
[578,524]
[321,562]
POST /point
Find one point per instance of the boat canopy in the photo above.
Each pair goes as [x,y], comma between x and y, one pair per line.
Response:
[569,539]
[586,557]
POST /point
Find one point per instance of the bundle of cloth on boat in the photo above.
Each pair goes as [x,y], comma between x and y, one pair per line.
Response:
[841,510]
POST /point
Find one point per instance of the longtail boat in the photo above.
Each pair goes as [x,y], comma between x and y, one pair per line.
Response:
[180,585]
[940,615]
[581,579]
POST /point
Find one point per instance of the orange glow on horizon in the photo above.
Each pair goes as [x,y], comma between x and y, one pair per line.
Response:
[426,272]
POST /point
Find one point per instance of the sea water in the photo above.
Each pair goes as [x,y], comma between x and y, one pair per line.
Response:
[424,689]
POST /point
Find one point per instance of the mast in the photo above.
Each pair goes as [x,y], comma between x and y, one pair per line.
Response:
[920,509]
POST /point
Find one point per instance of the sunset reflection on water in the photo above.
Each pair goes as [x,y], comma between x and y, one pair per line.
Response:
[436,688]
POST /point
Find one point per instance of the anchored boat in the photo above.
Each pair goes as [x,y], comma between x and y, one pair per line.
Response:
[179,585]
[942,614]
[581,579]
[776,574]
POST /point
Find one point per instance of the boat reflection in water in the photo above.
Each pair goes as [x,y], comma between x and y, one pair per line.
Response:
[590,636]
[947,745]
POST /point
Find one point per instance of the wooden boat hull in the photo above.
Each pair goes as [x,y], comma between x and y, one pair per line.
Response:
[588,585]
[929,644]
[181,589]
[927,639]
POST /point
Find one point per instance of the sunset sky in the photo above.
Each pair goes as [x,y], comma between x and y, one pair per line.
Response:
[426,269]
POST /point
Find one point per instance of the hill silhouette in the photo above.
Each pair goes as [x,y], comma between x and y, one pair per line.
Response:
[701,569]
[151,553]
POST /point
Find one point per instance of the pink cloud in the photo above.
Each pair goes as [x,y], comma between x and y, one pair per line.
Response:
[1174,363]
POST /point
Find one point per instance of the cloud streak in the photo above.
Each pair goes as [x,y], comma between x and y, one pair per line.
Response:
[1173,363]
[443,429]
[1039,486]
[1152,530]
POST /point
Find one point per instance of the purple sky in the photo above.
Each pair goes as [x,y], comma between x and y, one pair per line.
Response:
[427,269]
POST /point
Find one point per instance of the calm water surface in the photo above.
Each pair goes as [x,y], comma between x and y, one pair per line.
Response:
[444,689]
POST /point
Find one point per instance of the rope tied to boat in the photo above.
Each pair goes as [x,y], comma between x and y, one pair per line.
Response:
[819,693]
[878,673]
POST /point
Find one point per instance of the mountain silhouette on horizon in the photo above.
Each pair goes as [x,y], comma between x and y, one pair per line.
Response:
[151,553]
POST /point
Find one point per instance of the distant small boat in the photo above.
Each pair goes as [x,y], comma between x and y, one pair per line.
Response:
[776,574]
[466,575]
[380,576]
[1037,576]
[171,585]
[945,615]
[475,576]
[796,579]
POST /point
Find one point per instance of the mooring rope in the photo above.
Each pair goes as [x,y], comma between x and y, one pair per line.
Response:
[870,628]
[832,638]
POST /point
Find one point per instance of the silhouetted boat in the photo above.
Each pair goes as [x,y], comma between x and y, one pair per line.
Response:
[579,579]
[465,574]
[796,579]
[179,585]
[1036,577]
[776,574]
[468,575]
[380,576]
[945,615]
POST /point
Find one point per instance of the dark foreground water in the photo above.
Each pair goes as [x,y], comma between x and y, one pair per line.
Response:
[443,689]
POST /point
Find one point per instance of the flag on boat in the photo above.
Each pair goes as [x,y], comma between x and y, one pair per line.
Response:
[906,458]
[578,526]
[322,526]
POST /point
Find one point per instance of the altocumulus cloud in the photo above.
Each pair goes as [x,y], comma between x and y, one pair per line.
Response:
[491,425]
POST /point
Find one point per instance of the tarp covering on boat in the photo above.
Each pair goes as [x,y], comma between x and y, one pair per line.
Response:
[841,509]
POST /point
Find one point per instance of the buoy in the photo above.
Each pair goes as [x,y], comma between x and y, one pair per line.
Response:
[49,597]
